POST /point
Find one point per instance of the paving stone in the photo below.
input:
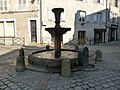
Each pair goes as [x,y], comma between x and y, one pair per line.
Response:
[118,86]
[91,85]
[106,89]
[67,86]
[97,83]
[111,83]
[13,86]
[59,88]
[102,81]
[85,82]
[72,85]
[85,86]
[79,84]
[98,87]
[7,88]
[52,88]
[72,89]
[4,80]
[116,82]
[78,88]
[3,87]
[1,83]
[91,89]
[113,88]
[10,84]
[7,82]
[105,85]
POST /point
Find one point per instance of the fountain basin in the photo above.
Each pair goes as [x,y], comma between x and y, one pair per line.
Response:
[57,30]
[46,58]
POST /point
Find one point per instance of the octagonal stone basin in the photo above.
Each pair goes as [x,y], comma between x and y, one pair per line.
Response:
[46,58]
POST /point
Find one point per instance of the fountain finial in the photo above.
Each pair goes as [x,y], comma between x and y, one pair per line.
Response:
[57,12]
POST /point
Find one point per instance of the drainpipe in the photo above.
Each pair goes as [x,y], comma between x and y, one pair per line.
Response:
[106,20]
[40,6]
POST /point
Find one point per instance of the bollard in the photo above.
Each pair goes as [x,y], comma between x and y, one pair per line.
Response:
[20,63]
[66,68]
[98,56]
[47,47]
[76,47]
[83,59]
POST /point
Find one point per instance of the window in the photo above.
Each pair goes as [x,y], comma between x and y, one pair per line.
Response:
[98,1]
[3,5]
[111,16]
[82,15]
[99,16]
[88,16]
[7,28]
[103,17]
[115,17]
[116,3]
[95,17]
[22,4]
[1,28]
[81,0]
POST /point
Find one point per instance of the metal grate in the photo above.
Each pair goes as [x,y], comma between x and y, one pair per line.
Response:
[18,41]
[2,41]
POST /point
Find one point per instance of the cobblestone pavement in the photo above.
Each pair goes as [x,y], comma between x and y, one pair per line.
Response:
[106,76]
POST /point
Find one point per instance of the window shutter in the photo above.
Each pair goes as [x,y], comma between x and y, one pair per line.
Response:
[1,5]
[24,1]
[1,28]
[5,5]
[95,17]
[10,28]
[20,1]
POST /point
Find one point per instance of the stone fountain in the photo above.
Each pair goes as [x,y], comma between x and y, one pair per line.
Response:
[52,58]
[57,31]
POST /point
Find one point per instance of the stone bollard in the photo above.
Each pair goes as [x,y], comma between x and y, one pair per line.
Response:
[47,47]
[98,56]
[76,47]
[66,68]
[20,63]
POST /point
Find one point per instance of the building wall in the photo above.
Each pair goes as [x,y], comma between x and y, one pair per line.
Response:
[39,13]
[21,18]
[70,9]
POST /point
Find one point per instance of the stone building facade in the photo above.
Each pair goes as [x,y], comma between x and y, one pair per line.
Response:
[18,20]
[86,18]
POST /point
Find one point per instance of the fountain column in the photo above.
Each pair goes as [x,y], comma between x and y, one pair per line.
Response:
[57,42]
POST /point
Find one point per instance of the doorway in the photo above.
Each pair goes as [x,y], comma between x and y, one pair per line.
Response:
[99,36]
[33,28]
[81,37]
